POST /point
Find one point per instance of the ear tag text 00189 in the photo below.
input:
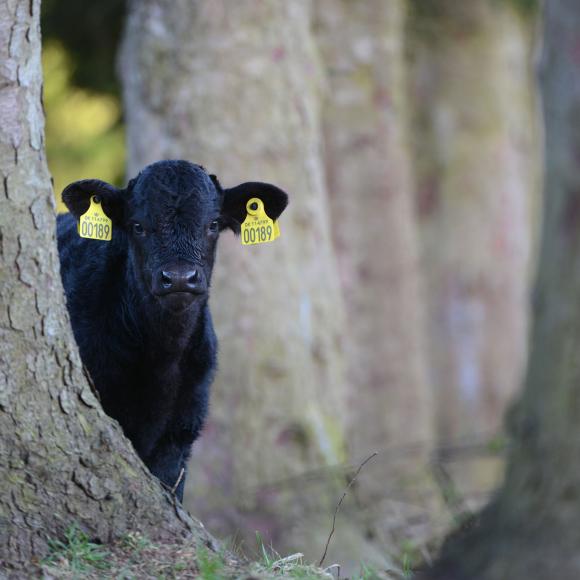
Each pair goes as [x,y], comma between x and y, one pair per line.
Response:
[258,228]
[94,223]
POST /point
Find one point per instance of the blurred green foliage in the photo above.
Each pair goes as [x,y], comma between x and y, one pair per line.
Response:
[90,33]
[84,127]
[84,133]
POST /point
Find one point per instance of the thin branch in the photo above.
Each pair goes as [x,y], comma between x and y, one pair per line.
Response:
[174,488]
[340,503]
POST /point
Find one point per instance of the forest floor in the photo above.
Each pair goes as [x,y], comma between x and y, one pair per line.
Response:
[135,557]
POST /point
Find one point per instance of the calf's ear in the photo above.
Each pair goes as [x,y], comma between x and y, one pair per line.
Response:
[235,199]
[77,198]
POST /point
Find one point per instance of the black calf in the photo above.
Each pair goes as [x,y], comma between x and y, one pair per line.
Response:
[138,303]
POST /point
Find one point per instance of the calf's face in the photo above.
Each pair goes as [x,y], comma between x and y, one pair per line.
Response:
[173,222]
[171,215]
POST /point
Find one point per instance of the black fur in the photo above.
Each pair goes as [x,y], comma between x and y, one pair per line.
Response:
[152,358]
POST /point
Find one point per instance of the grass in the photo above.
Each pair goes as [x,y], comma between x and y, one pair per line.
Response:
[135,557]
[132,557]
[77,553]
[293,566]
[211,565]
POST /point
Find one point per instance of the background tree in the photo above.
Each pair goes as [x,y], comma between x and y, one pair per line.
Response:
[529,531]
[368,170]
[370,190]
[476,172]
[236,87]
[62,461]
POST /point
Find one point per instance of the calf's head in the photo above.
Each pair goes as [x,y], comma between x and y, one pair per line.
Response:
[172,214]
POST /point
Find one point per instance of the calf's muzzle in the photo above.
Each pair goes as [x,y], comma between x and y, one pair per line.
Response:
[179,277]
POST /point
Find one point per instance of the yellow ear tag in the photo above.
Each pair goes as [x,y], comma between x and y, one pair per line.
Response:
[94,223]
[258,228]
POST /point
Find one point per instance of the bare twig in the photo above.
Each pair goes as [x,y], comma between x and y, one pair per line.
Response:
[174,488]
[340,503]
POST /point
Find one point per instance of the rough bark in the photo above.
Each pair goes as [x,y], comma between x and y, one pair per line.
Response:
[235,86]
[62,461]
[367,160]
[530,532]
[476,157]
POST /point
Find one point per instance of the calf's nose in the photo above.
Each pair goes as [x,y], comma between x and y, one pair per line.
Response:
[178,279]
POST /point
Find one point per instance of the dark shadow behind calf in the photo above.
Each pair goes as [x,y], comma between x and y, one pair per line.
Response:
[139,303]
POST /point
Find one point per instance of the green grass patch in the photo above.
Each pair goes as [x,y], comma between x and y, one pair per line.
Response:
[211,565]
[77,553]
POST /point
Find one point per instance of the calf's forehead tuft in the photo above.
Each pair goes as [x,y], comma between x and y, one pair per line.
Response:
[176,181]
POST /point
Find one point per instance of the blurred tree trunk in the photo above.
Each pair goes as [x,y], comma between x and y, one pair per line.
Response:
[367,161]
[475,144]
[62,461]
[235,86]
[531,531]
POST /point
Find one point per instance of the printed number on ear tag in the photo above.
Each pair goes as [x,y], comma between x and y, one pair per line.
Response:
[94,223]
[258,228]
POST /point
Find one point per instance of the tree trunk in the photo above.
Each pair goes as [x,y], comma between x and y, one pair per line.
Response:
[235,86]
[530,532]
[367,162]
[476,159]
[62,461]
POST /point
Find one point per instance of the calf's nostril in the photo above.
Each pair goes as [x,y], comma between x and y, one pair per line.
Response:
[166,279]
[193,277]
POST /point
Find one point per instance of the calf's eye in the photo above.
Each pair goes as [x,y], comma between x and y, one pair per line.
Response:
[213,227]
[138,229]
